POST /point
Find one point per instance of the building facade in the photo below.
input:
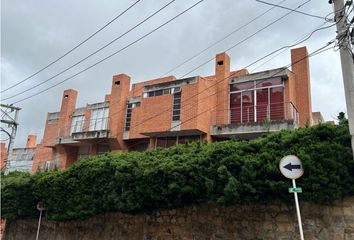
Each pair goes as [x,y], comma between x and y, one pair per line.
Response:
[168,111]
[20,159]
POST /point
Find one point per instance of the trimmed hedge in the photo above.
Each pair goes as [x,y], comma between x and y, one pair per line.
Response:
[228,172]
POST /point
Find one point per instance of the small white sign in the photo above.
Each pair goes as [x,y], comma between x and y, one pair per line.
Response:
[291,167]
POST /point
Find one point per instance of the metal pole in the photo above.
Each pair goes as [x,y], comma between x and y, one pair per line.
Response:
[347,62]
[39,224]
[298,211]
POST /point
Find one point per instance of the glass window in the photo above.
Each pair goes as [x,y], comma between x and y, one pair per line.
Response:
[166,91]
[103,148]
[83,151]
[176,107]
[77,123]
[268,82]
[262,107]
[158,92]
[252,104]
[235,108]
[247,106]
[241,86]
[99,119]
[276,103]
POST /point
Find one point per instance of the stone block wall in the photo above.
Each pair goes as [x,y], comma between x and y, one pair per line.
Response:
[199,222]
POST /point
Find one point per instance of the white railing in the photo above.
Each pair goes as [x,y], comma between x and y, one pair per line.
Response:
[257,113]
[79,126]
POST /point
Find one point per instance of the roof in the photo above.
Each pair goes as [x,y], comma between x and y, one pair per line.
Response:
[278,72]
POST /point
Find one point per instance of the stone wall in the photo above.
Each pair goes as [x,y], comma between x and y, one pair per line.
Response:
[207,221]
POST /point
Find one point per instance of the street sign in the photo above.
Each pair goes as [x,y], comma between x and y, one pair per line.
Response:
[295,190]
[291,167]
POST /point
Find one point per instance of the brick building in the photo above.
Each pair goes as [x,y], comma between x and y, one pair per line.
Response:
[167,111]
[20,159]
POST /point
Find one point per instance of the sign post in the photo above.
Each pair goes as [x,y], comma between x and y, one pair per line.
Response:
[40,208]
[291,167]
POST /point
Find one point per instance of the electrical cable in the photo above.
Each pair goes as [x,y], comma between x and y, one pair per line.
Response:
[304,36]
[314,53]
[114,53]
[93,53]
[74,48]
[279,6]
[285,47]
[248,37]
[220,40]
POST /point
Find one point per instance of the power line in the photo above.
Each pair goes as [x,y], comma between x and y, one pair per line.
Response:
[74,48]
[304,13]
[318,51]
[285,47]
[111,55]
[303,37]
[314,53]
[248,37]
[93,53]
[148,119]
[220,40]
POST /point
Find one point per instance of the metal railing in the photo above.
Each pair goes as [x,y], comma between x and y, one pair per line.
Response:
[256,114]
[79,126]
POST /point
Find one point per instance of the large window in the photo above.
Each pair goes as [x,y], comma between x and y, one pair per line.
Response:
[128,115]
[165,142]
[77,123]
[176,107]
[99,119]
[161,92]
[257,101]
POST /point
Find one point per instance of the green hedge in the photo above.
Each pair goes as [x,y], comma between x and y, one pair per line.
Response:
[228,172]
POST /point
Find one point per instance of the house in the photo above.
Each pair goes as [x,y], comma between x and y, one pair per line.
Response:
[168,111]
[21,159]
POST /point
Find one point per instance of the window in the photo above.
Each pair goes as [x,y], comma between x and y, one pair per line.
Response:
[99,119]
[166,142]
[77,123]
[176,107]
[161,92]
[103,148]
[83,151]
[257,101]
[47,166]
[128,116]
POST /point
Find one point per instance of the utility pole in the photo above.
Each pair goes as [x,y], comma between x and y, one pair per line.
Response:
[346,57]
[11,121]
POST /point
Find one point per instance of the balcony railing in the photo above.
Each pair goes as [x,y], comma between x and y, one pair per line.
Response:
[256,114]
[78,130]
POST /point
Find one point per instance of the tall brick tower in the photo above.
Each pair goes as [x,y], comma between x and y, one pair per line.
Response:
[300,66]
[222,72]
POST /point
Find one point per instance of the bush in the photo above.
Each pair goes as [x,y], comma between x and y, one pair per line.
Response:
[229,172]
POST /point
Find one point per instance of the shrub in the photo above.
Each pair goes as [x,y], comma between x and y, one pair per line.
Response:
[229,172]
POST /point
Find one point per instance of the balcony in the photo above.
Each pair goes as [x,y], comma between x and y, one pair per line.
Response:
[248,122]
[97,129]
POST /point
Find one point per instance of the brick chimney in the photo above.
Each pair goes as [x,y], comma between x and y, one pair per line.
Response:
[31,141]
[300,66]
[222,73]
[68,104]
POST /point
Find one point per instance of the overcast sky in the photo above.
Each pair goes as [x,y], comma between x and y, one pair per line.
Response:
[34,33]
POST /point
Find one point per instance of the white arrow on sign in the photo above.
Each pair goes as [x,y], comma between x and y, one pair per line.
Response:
[291,167]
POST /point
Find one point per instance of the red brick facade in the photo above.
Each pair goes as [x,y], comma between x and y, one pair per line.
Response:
[161,112]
